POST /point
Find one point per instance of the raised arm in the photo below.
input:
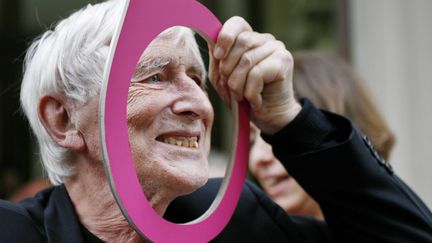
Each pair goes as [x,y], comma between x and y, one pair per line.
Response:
[361,197]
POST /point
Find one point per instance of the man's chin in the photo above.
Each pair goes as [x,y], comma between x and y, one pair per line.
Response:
[187,179]
[174,185]
[193,183]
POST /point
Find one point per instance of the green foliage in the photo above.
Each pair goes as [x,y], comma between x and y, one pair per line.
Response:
[300,24]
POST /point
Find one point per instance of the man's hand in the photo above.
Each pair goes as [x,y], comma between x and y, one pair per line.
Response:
[255,67]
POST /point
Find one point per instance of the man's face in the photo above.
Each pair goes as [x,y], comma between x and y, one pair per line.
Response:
[169,118]
[169,121]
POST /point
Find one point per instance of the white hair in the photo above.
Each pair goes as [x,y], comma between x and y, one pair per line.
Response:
[70,60]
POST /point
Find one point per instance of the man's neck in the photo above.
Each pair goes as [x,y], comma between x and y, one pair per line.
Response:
[96,207]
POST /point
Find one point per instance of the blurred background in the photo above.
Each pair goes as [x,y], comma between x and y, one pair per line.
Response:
[388,41]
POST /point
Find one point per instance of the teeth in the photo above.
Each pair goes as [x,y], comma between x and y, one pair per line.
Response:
[186,142]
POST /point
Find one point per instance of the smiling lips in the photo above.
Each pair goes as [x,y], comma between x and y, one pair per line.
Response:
[180,141]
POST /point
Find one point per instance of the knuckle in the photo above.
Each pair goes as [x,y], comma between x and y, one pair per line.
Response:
[234,85]
[246,60]
[244,40]
[280,44]
[284,56]
[254,73]
[231,83]
[238,19]
[287,56]
[225,39]
[268,36]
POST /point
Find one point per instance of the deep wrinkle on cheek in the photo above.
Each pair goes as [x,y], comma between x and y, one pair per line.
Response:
[144,102]
[136,105]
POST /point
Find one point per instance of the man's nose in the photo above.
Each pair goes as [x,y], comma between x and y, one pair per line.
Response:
[192,100]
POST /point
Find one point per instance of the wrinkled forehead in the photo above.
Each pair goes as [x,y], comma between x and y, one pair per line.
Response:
[181,37]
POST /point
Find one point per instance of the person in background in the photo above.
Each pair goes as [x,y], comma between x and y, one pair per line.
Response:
[331,84]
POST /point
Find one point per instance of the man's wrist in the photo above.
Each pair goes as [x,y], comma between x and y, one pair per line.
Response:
[281,119]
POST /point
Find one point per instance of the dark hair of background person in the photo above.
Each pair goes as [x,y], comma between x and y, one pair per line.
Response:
[331,84]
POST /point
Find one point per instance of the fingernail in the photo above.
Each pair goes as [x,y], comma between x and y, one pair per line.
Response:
[219,52]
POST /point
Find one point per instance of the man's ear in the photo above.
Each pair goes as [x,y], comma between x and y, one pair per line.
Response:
[57,121]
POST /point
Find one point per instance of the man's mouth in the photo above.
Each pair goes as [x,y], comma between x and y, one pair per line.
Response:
[180,141]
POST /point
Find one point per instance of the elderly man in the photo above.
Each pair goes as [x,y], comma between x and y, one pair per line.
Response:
[170,119]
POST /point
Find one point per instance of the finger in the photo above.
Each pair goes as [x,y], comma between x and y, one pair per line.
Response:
[213,66]
[223,91]
[218,81]
[228,34]
[275,70]
[254,87]
[245,41]
[278,66]
[237,79]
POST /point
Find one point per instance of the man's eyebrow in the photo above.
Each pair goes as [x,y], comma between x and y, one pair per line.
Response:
[149,64]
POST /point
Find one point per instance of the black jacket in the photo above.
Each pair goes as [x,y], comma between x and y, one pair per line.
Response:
[362,199]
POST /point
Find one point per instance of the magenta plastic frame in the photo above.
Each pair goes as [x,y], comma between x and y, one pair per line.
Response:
[141,22]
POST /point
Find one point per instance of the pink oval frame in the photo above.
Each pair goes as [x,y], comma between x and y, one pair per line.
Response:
[153,17]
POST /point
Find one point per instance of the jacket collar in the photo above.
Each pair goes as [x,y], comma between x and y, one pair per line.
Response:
[60,220]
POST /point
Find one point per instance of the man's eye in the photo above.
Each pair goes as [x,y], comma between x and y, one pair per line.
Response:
[153,78]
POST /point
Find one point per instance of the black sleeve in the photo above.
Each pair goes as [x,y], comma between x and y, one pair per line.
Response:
[256,218]
[16,226]
[361,198]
